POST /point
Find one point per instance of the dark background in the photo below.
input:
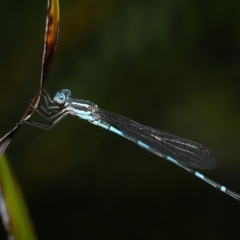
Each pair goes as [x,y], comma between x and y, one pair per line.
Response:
[172,65]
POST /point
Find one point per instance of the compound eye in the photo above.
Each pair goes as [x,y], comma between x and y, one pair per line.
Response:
[60,98]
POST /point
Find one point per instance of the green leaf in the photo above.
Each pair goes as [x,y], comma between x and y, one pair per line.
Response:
[13,209]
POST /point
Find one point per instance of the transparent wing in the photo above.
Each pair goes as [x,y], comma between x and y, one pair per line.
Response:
[163,144]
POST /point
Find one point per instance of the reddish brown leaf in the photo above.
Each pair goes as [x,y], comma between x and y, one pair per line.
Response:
[50,42]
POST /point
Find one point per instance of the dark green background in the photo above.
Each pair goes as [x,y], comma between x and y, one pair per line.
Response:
[172,65]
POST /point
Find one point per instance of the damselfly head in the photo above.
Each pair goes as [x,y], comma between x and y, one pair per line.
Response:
[62,96]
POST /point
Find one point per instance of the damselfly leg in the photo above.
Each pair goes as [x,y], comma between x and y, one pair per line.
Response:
[49,102]
[48,109]
[47,126]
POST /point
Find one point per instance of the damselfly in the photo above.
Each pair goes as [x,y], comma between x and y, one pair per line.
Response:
[182,152]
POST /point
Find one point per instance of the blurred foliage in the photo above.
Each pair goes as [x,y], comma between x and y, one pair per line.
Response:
[20,225]
[172,65]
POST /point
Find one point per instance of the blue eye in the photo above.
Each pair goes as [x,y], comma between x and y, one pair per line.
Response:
[60,98]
